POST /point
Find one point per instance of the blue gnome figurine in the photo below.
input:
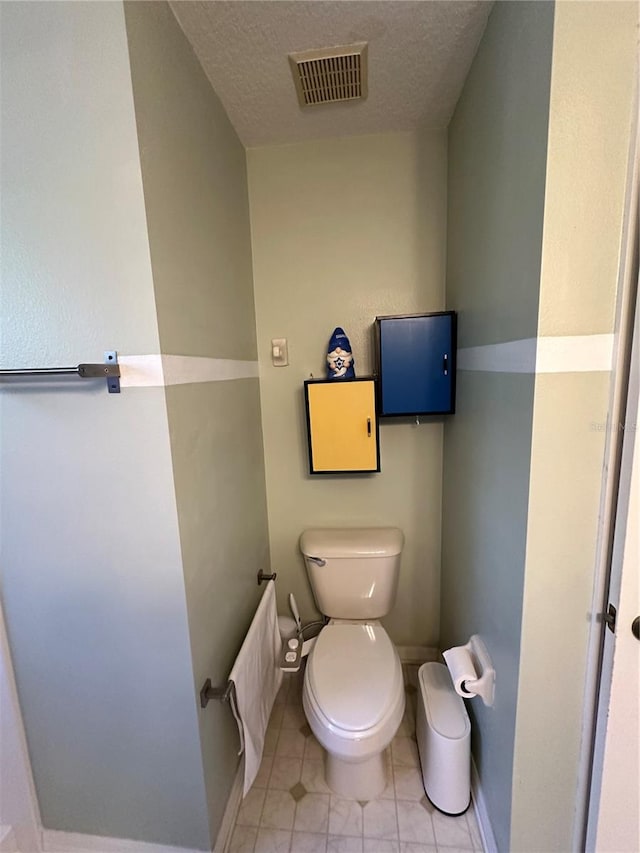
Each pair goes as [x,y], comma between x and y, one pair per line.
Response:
[339,358]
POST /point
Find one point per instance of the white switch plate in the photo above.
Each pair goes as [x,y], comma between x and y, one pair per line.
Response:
[279,352]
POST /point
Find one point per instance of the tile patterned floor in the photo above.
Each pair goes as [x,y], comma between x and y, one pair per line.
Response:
[290,809]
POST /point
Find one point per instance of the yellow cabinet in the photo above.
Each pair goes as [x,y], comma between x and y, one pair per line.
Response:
[342,425]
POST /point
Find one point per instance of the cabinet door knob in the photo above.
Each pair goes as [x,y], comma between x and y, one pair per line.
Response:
[445,364]
[369,427]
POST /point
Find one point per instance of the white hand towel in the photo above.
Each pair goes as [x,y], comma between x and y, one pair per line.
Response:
[257,677]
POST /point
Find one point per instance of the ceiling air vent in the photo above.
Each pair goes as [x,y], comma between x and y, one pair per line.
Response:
[331,74]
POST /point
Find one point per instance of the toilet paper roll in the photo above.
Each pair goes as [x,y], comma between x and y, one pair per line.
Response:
[461,668]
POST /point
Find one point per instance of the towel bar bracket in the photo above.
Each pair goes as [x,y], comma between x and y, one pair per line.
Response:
[113,381]
[262,577]
[209,692]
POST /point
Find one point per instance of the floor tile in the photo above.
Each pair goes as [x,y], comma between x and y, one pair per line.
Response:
[270,742]
[412,674]
[343,844]
[408,783]
[426,803]
[273,841]
[243,839]
[408,724]
[443,849]
[451,831]
[294,696]
[414,823]
[474,830]
[401,820]
[285,772]
[290,744]
[313,776]
[308,842]
[345,817]
[277,714]
[293,717]
[298,791]
[281,695]
[313,749]
[380,820]
[389,792]
[251,808]
[312,813]
[404,750]
[264,771]
[278,810]
[378,845]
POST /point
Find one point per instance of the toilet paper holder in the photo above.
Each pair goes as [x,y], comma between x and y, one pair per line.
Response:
[484,684]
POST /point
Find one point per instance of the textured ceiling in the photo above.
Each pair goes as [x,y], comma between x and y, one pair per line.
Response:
[419,54]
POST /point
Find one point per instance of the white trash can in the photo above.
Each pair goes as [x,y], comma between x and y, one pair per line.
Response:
[443,731]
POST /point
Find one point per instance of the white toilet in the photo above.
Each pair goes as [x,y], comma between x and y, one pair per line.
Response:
[353,693]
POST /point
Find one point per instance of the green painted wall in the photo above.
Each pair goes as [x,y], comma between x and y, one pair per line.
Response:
[92,582]
[344,230]
[497,160]
[195,185]
[538,156]
[593,99]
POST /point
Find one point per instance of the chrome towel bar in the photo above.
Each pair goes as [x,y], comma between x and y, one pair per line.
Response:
[225,692]
[110,371]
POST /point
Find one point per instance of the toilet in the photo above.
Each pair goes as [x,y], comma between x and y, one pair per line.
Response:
[353,693]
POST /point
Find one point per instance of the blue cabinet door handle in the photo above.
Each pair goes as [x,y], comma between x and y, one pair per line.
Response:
[445,364]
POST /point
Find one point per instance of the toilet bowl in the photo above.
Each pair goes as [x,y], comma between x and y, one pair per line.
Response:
[353,693]
[353,698]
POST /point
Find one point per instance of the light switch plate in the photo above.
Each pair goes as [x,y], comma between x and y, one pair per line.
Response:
[279,352]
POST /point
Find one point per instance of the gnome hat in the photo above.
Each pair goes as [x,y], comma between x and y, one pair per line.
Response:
[339,357]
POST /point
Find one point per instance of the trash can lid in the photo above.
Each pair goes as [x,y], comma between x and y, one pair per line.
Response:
[444,708]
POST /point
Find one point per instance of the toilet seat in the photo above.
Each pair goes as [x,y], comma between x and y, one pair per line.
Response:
[354,680]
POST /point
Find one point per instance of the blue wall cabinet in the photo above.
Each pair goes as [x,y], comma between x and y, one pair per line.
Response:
[416,364]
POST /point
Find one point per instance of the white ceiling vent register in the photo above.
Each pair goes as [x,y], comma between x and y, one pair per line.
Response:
[330,74]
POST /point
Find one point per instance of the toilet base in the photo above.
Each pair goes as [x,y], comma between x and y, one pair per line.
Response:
[357,780]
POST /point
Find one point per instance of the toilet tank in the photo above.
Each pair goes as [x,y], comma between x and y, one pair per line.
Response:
[353,571]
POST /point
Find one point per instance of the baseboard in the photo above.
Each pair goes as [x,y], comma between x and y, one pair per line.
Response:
[480,804]
[417,654]
[8,843]
[231,810]
[54,841]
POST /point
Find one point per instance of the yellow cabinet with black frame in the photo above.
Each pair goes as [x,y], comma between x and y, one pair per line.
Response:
[342,426]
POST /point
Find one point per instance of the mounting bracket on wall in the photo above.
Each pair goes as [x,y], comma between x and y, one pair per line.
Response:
[110,371]
[262,577]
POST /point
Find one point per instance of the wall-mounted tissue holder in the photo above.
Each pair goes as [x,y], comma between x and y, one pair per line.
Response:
[472,670]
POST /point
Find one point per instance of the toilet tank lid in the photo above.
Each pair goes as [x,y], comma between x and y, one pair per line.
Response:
[352,542]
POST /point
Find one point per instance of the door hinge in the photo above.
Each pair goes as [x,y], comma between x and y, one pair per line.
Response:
[610,618]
